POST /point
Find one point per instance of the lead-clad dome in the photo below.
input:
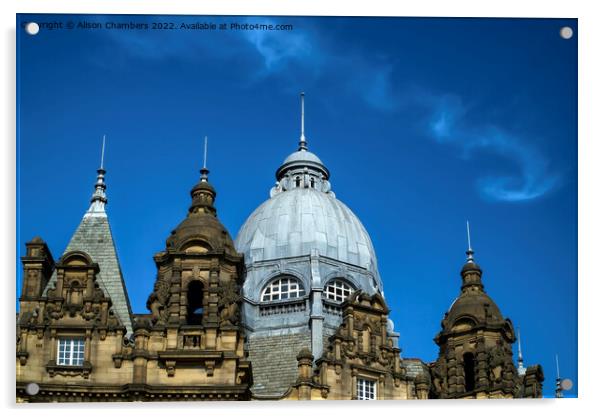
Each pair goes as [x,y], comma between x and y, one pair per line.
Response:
[294,222]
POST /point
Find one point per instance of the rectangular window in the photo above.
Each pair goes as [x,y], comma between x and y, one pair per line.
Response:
[70,352]
[366,389]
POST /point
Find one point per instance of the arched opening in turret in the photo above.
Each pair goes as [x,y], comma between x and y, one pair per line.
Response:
[297,182]
[312,182]
[469,382]
[195,303]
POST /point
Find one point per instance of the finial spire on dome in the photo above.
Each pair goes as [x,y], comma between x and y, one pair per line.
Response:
[102,153]
[99,197]
[521,368]
[558,380]
[204,170]
[469,252]
[302,141]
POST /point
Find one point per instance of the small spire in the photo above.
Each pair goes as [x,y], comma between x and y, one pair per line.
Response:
[558,380]
[204,170]
[521,368]
[102,153]
[469,252]
[203,194]
[302,141]
[99,197]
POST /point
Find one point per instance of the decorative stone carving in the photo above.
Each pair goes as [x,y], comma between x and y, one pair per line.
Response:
[496,363]
[229,300]
[157,301]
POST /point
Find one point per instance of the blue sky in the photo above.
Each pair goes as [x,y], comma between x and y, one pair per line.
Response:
[424,123]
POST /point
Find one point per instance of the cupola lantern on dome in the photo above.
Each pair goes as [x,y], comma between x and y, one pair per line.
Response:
[302,168]
[203,194]
[471,271]
[201,222]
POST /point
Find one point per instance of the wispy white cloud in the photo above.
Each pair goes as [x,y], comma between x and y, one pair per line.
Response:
[374,83]
[278,48]
[305,51]
[446,112]
[450,122]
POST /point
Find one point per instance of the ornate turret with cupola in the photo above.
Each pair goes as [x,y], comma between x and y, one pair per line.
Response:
[193,339]
[475,347]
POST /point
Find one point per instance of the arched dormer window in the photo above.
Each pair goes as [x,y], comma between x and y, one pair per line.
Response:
[338,290]
[284,288]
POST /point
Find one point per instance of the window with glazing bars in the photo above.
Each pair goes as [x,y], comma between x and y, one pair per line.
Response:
[338,290]
[283,289]
[366,389]
[70,352]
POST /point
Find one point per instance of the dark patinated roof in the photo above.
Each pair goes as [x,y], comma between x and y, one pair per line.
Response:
[205,227]
[477,306]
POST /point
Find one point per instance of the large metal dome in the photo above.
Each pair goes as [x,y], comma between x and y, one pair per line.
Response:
[295,222]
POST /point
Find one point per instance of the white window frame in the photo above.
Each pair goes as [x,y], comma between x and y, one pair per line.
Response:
[281,289]
[338,290]
[366,389]
[70,351]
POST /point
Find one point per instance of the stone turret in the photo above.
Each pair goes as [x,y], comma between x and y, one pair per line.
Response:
[38,265]
[194,332]
[475,346]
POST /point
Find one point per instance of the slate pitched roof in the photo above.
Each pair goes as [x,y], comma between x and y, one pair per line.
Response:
[274,359]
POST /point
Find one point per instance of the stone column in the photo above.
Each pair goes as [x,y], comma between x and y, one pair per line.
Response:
[53,346]
[422,386]
[304,373]
[354,384]
[380,393]
[140,355]
[88,346]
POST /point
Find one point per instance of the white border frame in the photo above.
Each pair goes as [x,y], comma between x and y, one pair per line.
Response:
[590,207]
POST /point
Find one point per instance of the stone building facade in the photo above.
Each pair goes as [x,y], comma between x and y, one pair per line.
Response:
[293,309]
